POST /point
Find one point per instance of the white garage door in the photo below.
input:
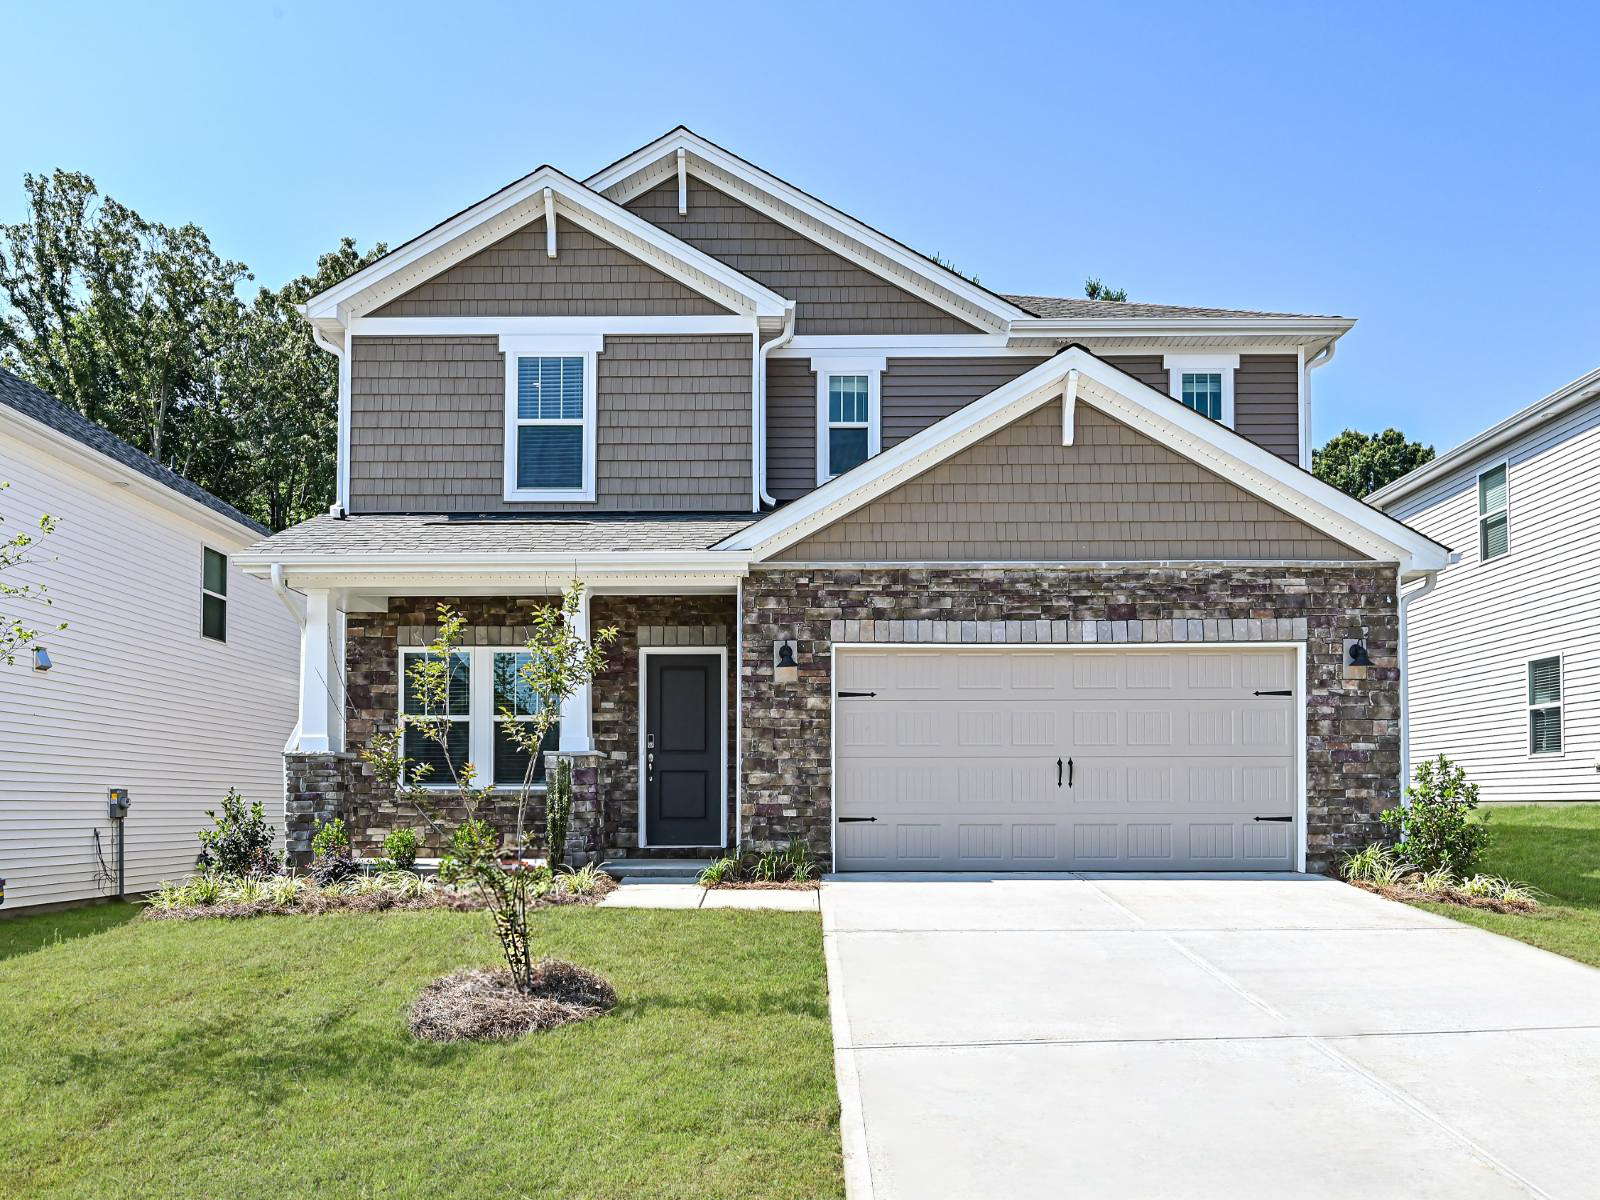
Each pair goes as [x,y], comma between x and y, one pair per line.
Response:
[1042,759]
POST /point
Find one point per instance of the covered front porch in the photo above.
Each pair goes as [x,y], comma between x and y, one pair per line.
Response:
[652,739]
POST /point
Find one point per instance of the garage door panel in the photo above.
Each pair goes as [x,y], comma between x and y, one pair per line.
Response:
[958,761]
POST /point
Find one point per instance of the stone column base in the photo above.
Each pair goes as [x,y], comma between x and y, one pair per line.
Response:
[584,837]
[316,789]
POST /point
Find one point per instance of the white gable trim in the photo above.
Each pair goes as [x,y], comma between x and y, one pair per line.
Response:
[783,202]
[522,202]
[1105,387]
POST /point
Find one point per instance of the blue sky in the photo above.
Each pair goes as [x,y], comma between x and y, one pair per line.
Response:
[1427,169]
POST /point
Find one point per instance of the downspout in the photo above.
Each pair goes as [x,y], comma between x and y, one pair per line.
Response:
[1322,357]
[738,715]
[342,462]
[783,339]
[1404,598]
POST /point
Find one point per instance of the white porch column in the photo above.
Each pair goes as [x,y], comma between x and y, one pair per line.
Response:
[576,736]
[321,681]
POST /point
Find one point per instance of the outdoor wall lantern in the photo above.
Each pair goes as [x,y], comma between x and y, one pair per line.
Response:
[784,667]
[41,659]
[1355,653]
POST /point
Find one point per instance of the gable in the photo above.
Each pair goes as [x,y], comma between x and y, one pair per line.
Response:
[1019,495]
[516,277]
[832,295]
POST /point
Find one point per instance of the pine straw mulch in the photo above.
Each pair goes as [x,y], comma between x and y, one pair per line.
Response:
[315,903]
[765,885]
[483,1005]
[1407,894]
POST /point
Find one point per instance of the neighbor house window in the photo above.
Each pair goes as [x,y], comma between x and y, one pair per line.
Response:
[1494,528]
[214,595]
[487,689]
[550,419]
[1204,383]
[1544,705]
[847,414]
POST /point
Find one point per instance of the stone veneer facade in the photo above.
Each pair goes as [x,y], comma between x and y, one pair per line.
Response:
[605,784]
[1352,713]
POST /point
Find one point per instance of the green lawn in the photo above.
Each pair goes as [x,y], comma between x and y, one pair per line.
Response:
[1558,851]
[269,1057]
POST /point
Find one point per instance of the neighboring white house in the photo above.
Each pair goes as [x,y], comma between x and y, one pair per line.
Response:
[1504,650]
[174,679]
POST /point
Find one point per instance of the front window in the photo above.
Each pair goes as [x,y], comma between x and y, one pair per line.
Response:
[486,684]
[1202,391]
[1494,516]
[550,417]
[1544,705]
[849,422]
[214,595]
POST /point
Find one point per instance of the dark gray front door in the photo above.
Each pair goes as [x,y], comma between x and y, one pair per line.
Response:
[683,750]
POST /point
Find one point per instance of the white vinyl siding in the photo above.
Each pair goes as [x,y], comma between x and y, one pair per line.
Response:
[137,698]
[1472,637]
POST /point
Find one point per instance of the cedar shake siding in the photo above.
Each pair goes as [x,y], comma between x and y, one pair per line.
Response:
[1021,496]
[1266,402]
[427,419]
[516,278]
[831,294]
[916,392]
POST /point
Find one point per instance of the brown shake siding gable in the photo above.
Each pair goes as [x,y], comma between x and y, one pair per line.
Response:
[516,278]
[831,294]
[427,419]
[1021,496]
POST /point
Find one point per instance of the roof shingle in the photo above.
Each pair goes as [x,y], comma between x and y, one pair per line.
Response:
[1075,307]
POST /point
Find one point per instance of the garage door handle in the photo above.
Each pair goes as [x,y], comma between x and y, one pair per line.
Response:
[1284,692]
[852,820]
[853,695]
[1285,820]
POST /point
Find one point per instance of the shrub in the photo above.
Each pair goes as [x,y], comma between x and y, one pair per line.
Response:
[581,882]
[332,860]
[1437,828]
[241,843]
[722,870]
[1377,864]
[400,848]
[558,813]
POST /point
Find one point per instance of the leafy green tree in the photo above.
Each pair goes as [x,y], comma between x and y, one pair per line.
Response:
[1094,289]
[16,634]
[1361,463]
[140,327]
[283,397]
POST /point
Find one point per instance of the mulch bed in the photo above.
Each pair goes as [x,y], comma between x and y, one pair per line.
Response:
[1449,896]
[766,885]
[315,903]
[477,1004]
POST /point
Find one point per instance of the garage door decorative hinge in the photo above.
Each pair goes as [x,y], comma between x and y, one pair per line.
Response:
[1284,692]
[1285,820]
[852,820]
[851,695]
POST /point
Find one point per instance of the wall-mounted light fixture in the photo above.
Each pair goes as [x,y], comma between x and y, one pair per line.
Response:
[41,659]
[785,669]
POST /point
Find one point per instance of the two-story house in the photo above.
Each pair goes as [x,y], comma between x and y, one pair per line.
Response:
[929,576]
[1503,655]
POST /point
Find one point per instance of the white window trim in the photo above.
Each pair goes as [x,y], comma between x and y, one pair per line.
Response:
[1218,364]
[1481,517]
[481,713]
[872,367]
[588,347]
[205,591]
[1560,705]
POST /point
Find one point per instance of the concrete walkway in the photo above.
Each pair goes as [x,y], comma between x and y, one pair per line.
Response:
[645,893]
[1114,1037]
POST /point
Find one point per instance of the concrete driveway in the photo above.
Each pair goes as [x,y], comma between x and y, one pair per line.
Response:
[1122,1036]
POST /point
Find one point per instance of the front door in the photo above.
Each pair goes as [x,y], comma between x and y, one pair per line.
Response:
[683,768]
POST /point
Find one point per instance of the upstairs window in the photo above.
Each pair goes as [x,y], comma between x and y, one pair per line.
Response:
[550,418]
[1494,516]
[1204,383]
[214,595]
[848,420]
[1202,391]
[1544,705]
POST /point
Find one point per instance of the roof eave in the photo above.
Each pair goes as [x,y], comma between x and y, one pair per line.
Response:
[1308,327]
[1557,404]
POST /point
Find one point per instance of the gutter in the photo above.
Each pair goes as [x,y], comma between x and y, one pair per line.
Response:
[763,497]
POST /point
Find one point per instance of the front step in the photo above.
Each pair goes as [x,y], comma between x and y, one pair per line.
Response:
[656,870]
